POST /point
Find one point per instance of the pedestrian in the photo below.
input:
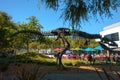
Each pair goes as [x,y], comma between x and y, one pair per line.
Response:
[68,52]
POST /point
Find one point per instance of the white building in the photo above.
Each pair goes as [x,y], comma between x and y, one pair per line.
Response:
[112,32]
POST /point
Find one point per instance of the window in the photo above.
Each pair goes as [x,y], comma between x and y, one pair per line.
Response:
[114,36]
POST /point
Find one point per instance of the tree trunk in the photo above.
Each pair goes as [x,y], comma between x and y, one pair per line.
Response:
[27,43]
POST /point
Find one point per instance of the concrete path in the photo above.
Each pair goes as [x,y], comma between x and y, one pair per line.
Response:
[67,76]
[79,76]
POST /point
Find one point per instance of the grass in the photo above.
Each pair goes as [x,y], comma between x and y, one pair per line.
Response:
[36,58]
[32,58]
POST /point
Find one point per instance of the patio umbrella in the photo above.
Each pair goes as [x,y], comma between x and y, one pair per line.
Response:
[89,49]
[98,48]
[82,49]
[57,49]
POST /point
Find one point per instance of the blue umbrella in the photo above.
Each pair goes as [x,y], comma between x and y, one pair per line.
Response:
[89,49]
[98,48]
[82,49]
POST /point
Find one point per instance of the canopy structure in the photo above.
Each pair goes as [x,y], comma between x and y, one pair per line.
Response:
[58,49]
[98,48]
[89,49]
[82,49]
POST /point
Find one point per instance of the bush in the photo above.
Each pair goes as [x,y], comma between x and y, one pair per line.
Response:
[27,72]
[3,66]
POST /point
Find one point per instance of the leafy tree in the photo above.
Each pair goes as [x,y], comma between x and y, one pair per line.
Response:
[76,11]
[52,43]
[46,43]
[7,27]
[34,24]
[28,38]
[33,45]
[93,44]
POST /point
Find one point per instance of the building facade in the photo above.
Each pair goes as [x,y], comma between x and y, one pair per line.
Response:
[112,32]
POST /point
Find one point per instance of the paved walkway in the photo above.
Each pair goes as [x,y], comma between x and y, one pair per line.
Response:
[79,76]
[70,76]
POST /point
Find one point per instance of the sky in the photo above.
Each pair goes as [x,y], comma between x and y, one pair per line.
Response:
[19,10]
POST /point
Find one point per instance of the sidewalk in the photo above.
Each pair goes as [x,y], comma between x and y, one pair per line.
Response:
[79,76]
[68,76]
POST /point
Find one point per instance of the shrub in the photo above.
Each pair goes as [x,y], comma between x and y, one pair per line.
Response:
[27,72]
[3,66]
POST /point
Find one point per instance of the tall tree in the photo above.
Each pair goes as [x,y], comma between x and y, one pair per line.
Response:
[76,11]
[34,23]
[27,38]
[7,27]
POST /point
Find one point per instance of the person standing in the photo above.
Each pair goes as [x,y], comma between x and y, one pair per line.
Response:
[68,52]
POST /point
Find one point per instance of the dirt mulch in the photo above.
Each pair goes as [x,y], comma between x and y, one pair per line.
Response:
[69,69]
[43,69]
